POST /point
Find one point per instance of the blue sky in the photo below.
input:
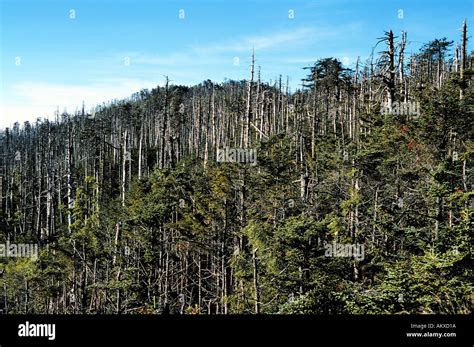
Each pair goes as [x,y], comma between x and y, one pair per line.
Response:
[58,54]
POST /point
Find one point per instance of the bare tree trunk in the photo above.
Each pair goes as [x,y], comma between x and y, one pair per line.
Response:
[125,157]
[140,155]
[401,65]
[70,201]
[391,69]
[255,281]
[248,108]
[463,58]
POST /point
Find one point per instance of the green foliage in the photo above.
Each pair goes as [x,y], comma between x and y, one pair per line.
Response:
[196,237]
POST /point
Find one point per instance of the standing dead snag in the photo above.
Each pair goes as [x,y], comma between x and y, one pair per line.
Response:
[389,60]
[463,58]
[255,280]
[401,68]
[248,109]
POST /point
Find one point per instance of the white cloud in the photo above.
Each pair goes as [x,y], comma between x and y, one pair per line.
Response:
[38,99]
[269,41]
[346,60]
[302,36]
[300,60]
[213,53]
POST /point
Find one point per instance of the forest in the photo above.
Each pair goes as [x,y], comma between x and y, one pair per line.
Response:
[351,195]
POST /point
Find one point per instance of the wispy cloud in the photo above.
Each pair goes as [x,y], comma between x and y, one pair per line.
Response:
[216,52]
[39,99]
[284,40]
[222,52]
[262,42]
